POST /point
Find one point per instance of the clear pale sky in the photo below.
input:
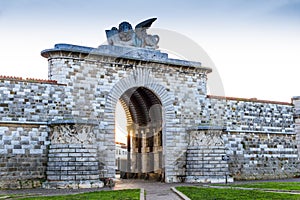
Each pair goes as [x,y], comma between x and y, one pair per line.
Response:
[255,45]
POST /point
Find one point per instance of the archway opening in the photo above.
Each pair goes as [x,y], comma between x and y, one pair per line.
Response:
[139,143]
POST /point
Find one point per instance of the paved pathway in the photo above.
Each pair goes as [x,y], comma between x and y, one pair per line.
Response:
[154,190]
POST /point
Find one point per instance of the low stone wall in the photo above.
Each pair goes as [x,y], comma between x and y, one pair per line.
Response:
[261,155]
[23,155]
[212,155]
[25,109]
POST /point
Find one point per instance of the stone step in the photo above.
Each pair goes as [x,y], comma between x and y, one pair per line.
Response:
[206,169]
[75,168]
[75,159]
[69,166]
[71,163]
[72,184]
[72,146]
[202,147]
[199,173]
[66,177]
[72,173]
[72,155]
[194,158]
[63,150]
[209,179]
[200,162]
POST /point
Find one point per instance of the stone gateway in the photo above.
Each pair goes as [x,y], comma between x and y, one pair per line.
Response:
[60,133]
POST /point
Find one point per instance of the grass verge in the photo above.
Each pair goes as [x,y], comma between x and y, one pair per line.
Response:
[204,193]
[131,194]
[269,185]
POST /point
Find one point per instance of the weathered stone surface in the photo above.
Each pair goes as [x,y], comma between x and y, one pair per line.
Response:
[75,174]
[126,36]
[206,157]
[77,109]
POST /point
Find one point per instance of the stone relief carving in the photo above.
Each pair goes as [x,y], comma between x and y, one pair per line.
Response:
[73,134]
[209,138]
[126,36]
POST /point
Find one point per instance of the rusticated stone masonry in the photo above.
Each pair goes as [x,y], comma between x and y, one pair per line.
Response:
[261,155]
[72,166]
[207,159]
[61,133]
[23,155]
[72,158]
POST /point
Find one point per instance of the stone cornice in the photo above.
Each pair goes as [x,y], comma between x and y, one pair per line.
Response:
[118,52]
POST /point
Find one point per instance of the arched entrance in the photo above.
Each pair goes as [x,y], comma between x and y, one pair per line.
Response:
[149,87]
[144,144]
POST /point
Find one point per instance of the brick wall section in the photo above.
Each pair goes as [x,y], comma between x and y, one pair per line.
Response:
[24,101]
[23,155]
[240,114]
[261,155]
[260,138]
[25,109]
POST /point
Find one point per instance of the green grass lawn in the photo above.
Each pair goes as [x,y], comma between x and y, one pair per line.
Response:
[133,194]
[204,193]
[270,185]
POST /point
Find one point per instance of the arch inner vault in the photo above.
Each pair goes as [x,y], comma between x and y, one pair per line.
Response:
[144,134]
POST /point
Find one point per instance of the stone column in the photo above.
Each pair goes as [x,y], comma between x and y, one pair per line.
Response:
[144,152]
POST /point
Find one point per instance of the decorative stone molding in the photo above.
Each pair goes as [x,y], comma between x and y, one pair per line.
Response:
[72,134]
[207,138]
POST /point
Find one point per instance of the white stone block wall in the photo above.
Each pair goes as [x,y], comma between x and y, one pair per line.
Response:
[260,138]
[89,86]
[26,106]
[33,102]
[296,103]
[94,79]
[240,114]
[261,155]
[23,155]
